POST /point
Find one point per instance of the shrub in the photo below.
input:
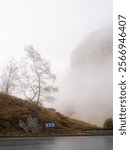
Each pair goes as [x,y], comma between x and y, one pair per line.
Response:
[108,123]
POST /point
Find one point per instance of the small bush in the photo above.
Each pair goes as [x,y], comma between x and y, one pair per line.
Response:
[108,124]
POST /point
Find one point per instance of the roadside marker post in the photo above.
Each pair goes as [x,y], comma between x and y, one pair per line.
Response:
[48,125]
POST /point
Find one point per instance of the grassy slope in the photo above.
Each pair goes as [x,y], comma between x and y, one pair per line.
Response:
[12,109]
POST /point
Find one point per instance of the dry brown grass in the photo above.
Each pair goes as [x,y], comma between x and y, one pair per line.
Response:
[13,109]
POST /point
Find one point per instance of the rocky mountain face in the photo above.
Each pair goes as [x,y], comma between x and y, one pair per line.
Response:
[87,87]
[95,48]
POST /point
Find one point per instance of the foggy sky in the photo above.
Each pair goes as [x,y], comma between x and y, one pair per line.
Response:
[54,27]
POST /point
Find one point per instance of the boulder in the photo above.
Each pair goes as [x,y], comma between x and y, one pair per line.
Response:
[5,124]
[23,126]
[32,124]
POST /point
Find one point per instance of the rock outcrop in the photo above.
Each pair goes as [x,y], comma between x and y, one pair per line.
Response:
[24,127]
[31,125]
[5,124]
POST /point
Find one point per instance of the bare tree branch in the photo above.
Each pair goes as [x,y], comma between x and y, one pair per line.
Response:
[9,77]
[37,77]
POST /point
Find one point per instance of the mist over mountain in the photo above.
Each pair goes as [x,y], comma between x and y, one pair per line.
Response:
[86,89]
[93,49]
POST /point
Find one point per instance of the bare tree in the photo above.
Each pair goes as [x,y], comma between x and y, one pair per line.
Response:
[36,77]
[9,76]
[71,113]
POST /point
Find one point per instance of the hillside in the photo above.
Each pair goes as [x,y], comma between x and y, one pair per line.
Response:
[22,118]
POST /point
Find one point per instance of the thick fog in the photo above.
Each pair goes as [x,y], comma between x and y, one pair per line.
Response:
[55,28]
[86,90]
